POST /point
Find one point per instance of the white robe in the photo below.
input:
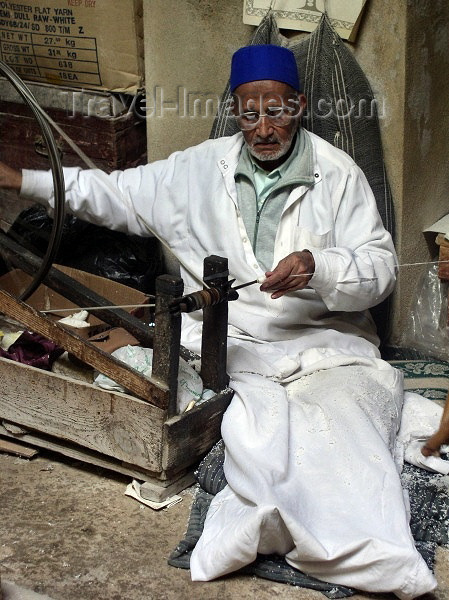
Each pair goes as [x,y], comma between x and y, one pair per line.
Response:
[311,475]
[190,200]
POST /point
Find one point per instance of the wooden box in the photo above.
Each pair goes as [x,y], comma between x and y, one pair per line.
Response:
[136,435]
[106,127]
[111,142]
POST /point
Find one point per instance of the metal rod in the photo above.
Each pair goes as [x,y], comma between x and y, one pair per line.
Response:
[75,309]
[243,285]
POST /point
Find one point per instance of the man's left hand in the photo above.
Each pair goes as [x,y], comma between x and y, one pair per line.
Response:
[292,273]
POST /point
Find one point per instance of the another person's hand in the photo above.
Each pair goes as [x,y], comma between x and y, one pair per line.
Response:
[441,437]
[434,443]
[10,178]
[292,273]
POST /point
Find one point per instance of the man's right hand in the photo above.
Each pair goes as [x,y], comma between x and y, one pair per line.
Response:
[292,273]
[10,178]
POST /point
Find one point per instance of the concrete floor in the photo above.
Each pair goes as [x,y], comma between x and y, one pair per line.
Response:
[69,532]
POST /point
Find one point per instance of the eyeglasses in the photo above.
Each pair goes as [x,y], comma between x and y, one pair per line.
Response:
[279,116]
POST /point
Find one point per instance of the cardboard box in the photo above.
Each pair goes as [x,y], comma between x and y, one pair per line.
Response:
[44,298]
[105,126]
[95,44]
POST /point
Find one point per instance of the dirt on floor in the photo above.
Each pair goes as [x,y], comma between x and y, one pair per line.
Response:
[69,532]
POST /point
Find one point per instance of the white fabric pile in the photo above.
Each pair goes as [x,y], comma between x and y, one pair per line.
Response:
[190,385]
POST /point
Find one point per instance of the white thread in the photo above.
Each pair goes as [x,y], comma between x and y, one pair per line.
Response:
[112,306]
[259,280]
[397,266]
[128,201]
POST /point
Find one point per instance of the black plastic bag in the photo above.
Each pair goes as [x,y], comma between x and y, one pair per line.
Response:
[131,260]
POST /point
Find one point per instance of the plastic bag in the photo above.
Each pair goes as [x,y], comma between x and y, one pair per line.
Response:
[426,329]
[190,385]
[128,259]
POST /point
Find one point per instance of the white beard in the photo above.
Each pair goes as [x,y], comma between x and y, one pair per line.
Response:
[276,154]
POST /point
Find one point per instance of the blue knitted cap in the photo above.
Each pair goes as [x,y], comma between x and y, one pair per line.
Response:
[253,63]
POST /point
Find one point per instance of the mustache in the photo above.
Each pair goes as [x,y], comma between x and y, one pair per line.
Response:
[271,139]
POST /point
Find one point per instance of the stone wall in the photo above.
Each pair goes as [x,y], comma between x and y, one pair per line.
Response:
[188,48]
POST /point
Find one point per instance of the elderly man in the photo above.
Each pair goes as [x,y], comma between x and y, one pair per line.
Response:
[310,432]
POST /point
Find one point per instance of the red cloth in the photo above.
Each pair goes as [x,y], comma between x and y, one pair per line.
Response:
[34,350]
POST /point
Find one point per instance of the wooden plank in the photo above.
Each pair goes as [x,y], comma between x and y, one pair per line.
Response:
[152,489]
[151,391]
[84,455]
[13,429]
[158,493]
[17,449]
[45,299]
[215,328]
[75,291]
[113,424]
[167,336]
[80,295]
[192,434]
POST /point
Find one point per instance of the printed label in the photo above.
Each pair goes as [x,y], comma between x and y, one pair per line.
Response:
[48,43]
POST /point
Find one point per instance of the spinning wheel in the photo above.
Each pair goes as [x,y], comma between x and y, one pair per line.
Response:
[58,182]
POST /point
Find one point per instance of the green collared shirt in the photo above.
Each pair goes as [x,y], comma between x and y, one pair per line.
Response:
[262,196]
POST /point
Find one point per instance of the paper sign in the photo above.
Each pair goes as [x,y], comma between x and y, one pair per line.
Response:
[304,15]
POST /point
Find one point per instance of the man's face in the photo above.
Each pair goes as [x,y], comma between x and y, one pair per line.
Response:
[269,137]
